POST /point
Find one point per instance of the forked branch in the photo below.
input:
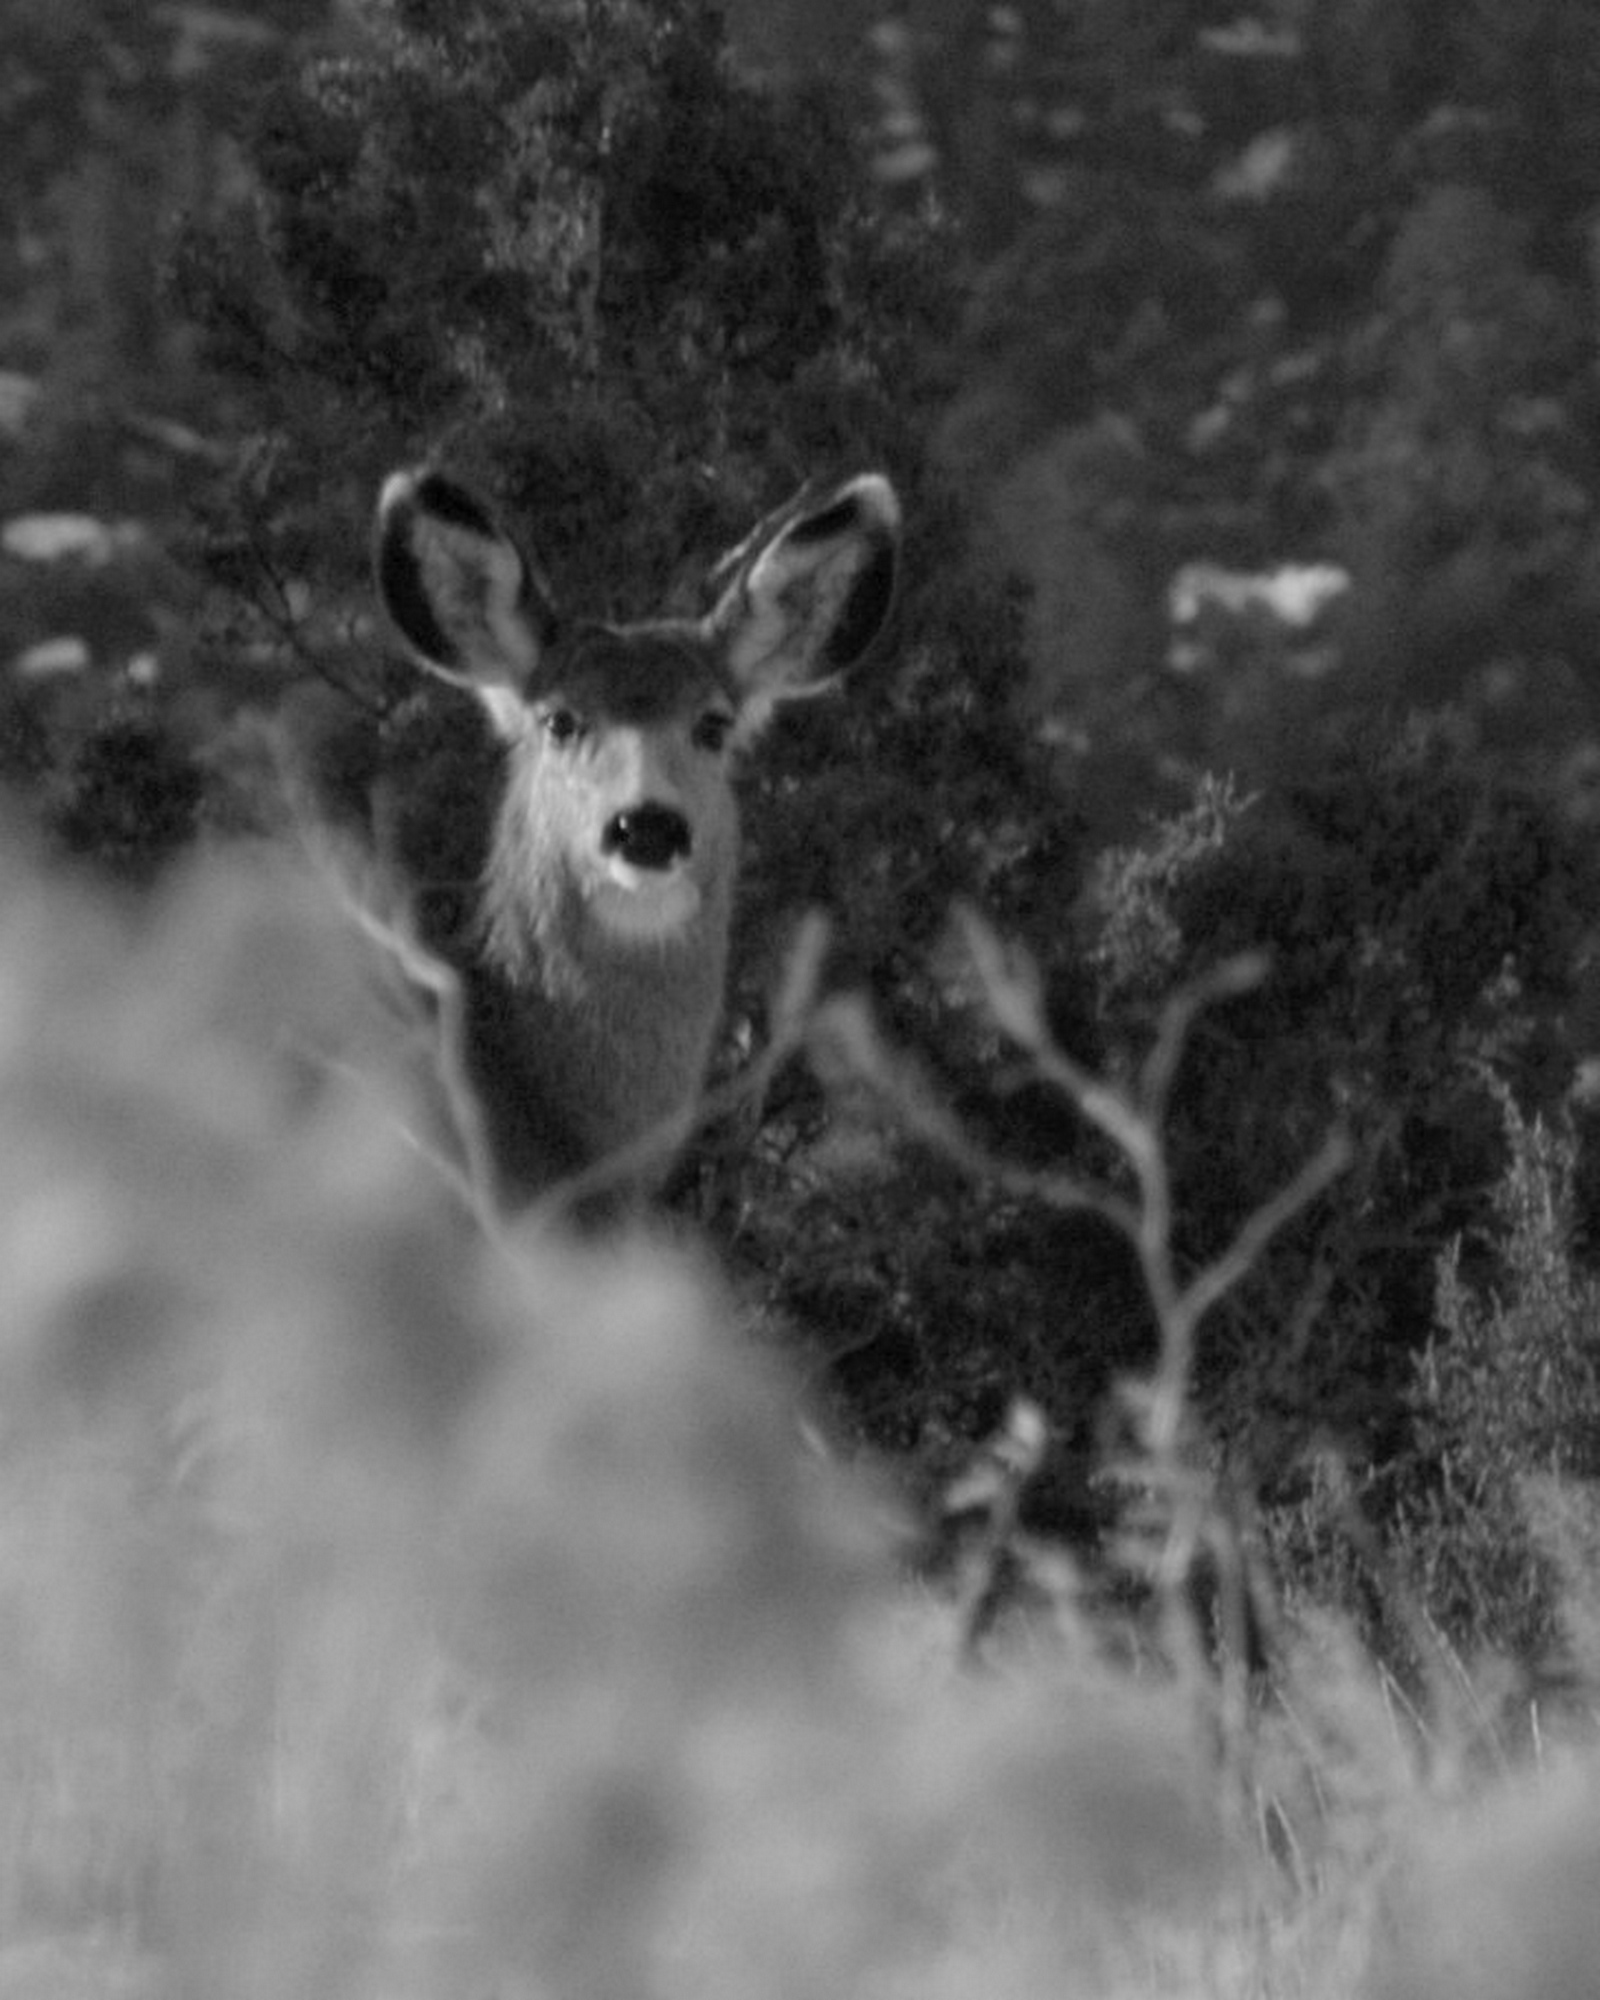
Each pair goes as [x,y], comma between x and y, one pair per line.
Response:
[1132,1115]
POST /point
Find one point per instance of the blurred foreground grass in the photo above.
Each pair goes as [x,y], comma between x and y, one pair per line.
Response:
[389,1610]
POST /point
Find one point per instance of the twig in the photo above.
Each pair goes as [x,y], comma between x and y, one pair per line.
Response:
[423,971]
[1223,1273]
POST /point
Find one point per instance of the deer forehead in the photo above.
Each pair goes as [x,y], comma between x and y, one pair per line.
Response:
[647,676]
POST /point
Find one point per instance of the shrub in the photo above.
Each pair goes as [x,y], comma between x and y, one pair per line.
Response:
[132,797]
[1423,927]
[1506,1406]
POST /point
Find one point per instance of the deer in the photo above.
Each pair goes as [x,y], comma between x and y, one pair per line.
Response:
[555,836]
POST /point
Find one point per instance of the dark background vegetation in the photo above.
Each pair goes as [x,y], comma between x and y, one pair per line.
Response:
[1109,292]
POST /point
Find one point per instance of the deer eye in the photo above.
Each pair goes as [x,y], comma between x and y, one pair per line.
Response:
[562,725]
[712,729]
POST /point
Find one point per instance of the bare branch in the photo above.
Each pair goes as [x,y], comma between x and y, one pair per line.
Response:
[1240,974]
[1223,1273]
[1010,980]
[845,1040]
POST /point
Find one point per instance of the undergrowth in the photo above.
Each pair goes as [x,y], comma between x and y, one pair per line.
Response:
[392,1605]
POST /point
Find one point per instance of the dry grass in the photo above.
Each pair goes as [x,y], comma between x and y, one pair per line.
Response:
[385,1609]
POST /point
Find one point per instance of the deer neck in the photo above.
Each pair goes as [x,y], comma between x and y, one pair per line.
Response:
[613,1034]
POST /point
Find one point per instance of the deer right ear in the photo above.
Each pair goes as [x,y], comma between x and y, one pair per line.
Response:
[810,590]
[461,594]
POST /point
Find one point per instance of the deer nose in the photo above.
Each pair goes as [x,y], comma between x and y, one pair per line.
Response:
[647,836]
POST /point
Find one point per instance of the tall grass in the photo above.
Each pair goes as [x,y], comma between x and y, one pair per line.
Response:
[392,1607]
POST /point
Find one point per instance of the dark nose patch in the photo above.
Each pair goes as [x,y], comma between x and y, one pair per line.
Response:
[647,836]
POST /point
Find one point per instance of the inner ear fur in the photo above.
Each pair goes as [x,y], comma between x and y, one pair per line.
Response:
[466,600]
[811,589]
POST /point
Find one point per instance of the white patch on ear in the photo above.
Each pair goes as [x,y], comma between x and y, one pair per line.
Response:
[767,695]
[395,492]
[507,710]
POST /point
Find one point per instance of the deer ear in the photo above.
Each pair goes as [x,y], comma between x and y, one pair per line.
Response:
[810,591]
[459,591]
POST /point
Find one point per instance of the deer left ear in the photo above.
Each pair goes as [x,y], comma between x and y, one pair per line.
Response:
[811,590]
[467,602]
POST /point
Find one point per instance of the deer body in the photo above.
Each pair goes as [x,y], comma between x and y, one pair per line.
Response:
[567,845]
